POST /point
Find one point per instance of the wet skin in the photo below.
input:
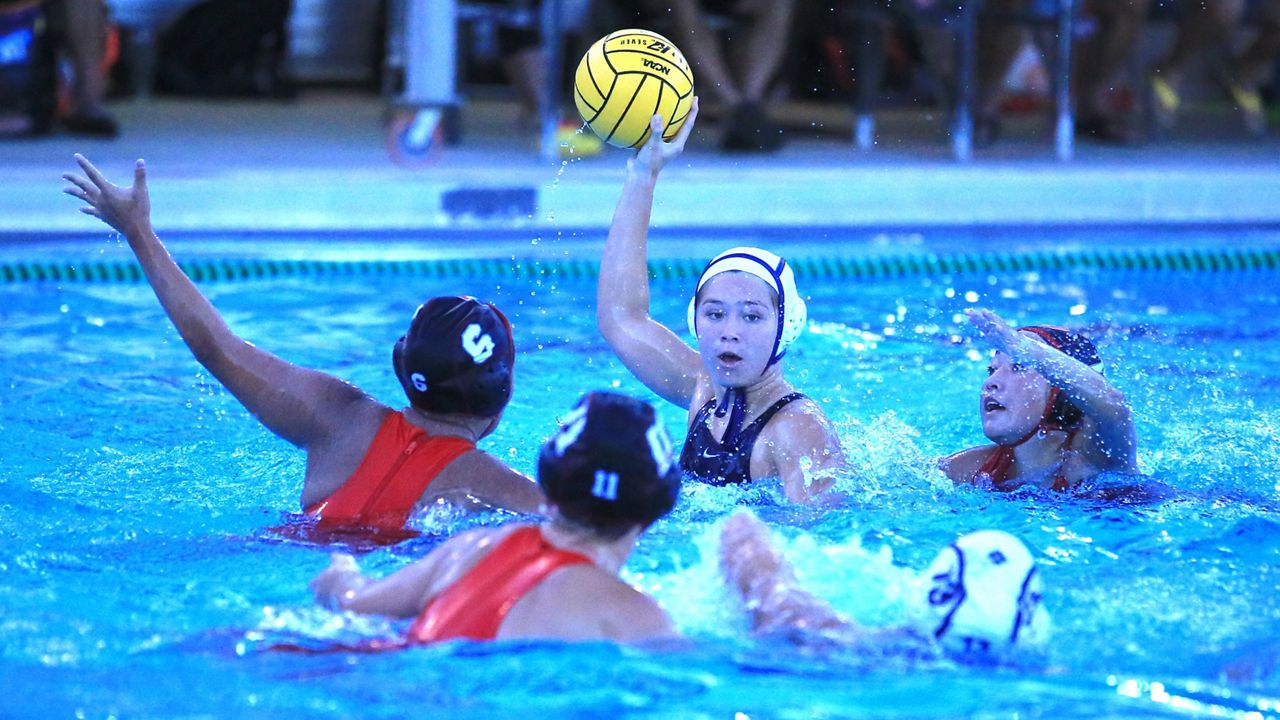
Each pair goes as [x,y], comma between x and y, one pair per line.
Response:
[1013,400]
[737,323]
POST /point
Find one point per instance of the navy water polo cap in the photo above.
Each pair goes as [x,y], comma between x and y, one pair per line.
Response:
[1061,411]
[457,357]
[610,465]
[1069,343]
[792,313]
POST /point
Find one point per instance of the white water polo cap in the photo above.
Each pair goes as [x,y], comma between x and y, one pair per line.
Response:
[981,597]
[792,312]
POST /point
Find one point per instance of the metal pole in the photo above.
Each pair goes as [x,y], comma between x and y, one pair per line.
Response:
[867,73]
[549,95]
[1065,131]
[967,51]
[431,30]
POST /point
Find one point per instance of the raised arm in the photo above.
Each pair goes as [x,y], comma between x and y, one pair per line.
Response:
[651,351]
[1109,420]
[303,406]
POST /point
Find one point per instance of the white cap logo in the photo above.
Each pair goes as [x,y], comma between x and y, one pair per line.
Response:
[659,446]
[574,423]
[477,343]
[419,382]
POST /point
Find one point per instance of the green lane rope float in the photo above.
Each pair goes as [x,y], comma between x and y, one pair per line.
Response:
[833,268]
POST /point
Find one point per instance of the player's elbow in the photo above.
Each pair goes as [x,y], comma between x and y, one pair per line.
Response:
[1118,411]
[204,344]
[613,321]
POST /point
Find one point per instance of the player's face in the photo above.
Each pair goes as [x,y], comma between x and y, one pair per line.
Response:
[1013,400]
[737,320]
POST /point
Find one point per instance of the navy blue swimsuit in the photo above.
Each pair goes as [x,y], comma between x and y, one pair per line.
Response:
[728,463]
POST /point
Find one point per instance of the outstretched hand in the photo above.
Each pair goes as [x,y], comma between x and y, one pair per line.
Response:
[656,153]
[342,576]
[128,210]
[995,332]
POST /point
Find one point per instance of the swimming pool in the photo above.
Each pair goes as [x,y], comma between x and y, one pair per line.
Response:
[138,580]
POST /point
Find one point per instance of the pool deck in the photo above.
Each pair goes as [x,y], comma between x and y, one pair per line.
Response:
[320,164]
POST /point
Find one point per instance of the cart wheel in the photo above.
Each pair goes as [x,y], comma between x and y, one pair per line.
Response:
[415,137]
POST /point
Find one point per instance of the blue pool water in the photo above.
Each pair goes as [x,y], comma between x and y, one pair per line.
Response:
[137,579]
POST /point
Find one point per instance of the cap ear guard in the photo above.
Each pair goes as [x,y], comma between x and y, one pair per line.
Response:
[793,322]
[793,313]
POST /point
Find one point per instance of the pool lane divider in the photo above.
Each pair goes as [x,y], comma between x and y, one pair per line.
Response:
[838,268]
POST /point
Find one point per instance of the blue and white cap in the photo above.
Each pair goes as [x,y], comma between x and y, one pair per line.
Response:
[981,597]
[792,312]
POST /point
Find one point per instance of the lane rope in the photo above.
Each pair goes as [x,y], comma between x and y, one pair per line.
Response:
[822,268]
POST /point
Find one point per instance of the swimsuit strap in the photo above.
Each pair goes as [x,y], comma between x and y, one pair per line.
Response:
[475,605]
[754,428]
[732,434]
[401,462]
[996,465]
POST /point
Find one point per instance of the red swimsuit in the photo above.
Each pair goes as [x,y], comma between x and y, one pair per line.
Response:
[475,606]
[400,463]
[996,465]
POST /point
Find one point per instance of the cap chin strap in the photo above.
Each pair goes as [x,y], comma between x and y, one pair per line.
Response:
[1044,426]
[775,356]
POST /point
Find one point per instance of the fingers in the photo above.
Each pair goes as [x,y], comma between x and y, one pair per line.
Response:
[983,319]
[342,561]
[742,520]
[76,193]
[687,128]
[738,535]
[689,121]
[91,171]
[655,134]
[140,176]
[78,181]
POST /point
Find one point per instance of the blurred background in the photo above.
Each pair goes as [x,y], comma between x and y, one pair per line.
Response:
[1135,71]
[872,112]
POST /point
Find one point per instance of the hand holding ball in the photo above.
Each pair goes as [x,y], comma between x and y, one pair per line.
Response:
[625,79]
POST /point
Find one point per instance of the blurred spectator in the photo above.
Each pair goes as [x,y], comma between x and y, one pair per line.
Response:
[1101,61]
[1117,25]
[738,71]
[227,48]
[524,63]
[79,31]
[1208,22]
[524,59]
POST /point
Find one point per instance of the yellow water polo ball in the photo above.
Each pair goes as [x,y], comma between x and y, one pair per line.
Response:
[627,77]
